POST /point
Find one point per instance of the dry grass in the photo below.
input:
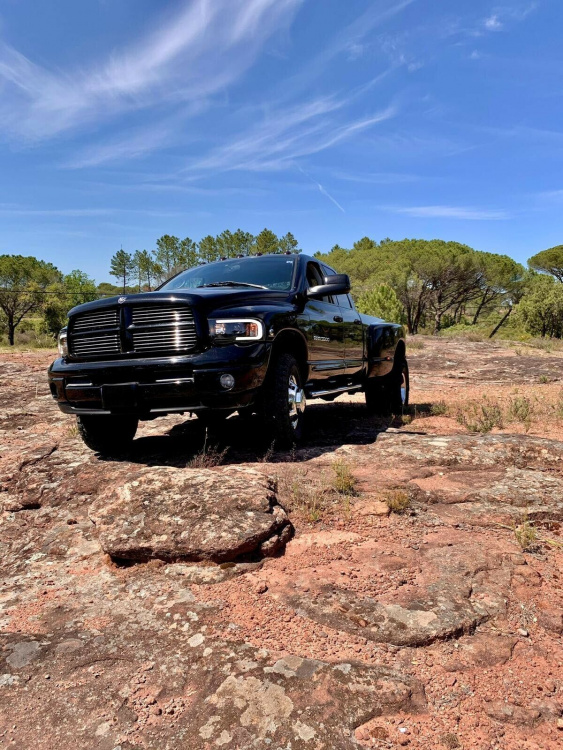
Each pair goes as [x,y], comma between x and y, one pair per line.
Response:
[526,535]
[397,501]
[344,481]
[209,456]
[537,409]
[317,496]
[519,409]
[310,496]
[415,344]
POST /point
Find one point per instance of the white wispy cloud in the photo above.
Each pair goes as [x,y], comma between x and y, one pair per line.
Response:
[350,42]
[493,23]
[375,178]
[502,14]
[206,46]
[9,210]
[283,137]
[449,212]
[128,146]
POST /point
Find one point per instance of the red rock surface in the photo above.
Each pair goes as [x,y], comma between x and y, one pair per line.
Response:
[428,629]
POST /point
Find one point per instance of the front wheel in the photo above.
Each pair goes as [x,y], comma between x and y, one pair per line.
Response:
[283,401]
[107,434]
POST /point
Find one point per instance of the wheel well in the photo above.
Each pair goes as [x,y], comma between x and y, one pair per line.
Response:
[292,343]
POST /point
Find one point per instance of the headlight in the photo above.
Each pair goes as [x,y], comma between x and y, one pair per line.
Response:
[236,329]
[63,343]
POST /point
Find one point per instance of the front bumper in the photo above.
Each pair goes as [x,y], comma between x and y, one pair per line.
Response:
[156,386]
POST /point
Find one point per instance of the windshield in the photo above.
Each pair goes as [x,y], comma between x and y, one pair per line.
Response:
[270,272]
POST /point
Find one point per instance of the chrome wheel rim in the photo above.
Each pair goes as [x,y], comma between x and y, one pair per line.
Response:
[296,401]
[403,388]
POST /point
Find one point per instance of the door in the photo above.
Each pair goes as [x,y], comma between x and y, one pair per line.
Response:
[325,332]
[353,336]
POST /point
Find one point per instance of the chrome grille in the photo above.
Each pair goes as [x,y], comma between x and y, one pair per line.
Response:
[96,319]
[163,329]
[130,329]
[96,346]
[173,316]
[95,334]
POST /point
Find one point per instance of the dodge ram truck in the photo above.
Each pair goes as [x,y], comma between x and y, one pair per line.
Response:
[256,335]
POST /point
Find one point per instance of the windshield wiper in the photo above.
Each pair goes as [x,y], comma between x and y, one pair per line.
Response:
[232,283]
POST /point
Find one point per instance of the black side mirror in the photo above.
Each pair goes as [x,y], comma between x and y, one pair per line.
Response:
[337,284]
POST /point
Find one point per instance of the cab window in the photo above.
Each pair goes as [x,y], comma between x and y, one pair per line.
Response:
[315,278]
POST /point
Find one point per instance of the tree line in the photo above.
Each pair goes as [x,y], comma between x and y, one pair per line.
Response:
[143,269]
[429,285]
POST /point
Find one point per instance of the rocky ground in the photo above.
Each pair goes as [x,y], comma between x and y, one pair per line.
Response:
[193,596]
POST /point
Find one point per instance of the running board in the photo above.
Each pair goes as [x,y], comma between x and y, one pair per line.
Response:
[342,389]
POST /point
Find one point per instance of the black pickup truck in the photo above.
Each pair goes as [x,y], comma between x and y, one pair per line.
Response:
[258,335]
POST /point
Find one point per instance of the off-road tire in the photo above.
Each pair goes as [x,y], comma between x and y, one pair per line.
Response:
[389,394]
[285,428]
[107,434]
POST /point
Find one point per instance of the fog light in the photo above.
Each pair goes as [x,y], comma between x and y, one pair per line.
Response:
[227,381]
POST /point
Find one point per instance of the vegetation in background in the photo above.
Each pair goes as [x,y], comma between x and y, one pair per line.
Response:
[431,286]
[438,284]
[173,255]
[549,261]
[541,309]
[23,283]
[382,302]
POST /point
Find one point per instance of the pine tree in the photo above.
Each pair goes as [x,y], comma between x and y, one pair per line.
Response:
[288,244]
[266,242]
[122,267]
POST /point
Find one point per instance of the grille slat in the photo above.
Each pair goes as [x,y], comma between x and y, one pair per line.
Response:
[101,319]
[154,329]
[172,315]
[98,345]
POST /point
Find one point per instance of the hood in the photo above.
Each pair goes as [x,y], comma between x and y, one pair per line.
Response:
[206,297]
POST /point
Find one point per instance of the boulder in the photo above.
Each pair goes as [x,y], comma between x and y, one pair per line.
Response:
[190,514]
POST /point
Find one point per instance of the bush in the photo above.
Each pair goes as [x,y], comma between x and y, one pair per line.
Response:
[541,310]
[439,409]
[382,302]
[526,535]
[397,501]
[480,417]
[519,409]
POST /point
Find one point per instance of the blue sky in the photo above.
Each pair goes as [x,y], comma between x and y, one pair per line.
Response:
[122,120]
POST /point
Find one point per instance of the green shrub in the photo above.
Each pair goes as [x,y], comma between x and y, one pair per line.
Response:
[480,416]
[382,302]
[519,409]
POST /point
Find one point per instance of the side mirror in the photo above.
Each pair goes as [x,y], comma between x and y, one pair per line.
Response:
[337,284]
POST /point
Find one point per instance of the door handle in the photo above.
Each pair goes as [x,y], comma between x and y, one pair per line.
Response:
[338,319]
[357,320]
